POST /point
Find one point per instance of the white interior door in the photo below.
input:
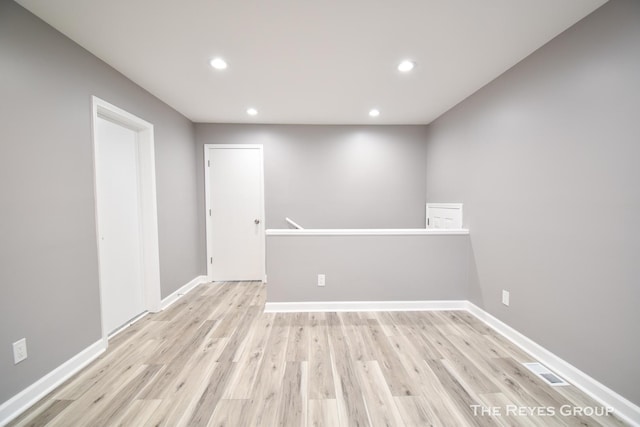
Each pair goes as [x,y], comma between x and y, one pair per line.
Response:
[119,224]
[235,213]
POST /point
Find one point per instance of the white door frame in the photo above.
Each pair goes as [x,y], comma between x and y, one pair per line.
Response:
[208,201]
[147,202]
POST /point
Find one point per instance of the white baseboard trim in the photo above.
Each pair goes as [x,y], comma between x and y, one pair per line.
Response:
[297,307]
[126,326]
[622,407]
[29,396]
[36,391]
[175,296]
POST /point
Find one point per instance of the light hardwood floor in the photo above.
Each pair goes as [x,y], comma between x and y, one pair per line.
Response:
[215,359]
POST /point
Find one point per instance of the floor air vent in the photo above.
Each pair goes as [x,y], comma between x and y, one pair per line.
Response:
[544,373]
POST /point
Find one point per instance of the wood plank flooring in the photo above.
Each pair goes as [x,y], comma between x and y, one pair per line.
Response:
[214,358]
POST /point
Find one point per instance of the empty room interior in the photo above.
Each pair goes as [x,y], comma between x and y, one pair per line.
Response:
[360,213]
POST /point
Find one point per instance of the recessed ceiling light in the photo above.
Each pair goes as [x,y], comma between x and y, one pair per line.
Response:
[406,66]
[374,113]
[218,63]
[252,111]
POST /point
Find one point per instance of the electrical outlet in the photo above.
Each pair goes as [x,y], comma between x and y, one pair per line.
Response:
[321,279]
[505,297]
[19,350]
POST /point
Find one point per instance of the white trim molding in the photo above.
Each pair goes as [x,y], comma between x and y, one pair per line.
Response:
[623,408]
[182,291]
[330,306]
[147,201]
[22,401]
[366,232]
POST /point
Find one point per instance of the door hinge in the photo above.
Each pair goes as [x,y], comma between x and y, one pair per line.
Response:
[427,219]
[208,163]
[209,212]
[211,260]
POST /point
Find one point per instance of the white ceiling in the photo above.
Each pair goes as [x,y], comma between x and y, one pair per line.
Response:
[311,62]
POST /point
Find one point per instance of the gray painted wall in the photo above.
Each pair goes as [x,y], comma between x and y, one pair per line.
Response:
[333,176]
[559,129]
[48,253]
[367,268]
[545,160]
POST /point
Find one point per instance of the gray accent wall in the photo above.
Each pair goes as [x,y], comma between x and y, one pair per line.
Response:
[333,176]
[48,251]
[367,268]
[545,159]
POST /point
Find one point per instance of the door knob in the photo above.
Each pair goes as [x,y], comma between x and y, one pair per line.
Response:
[256,221]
